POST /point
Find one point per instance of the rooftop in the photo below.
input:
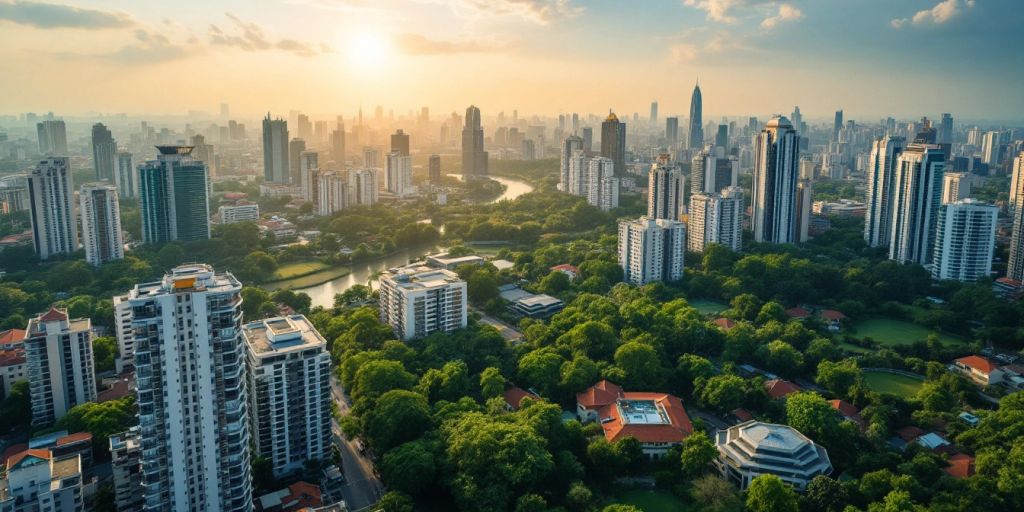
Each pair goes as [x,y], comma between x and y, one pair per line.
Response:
[66,467]
[415,277]
[193,277]
[282,334]
[12,336]
[979,363]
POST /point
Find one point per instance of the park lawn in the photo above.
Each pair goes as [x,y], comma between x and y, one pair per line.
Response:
[305,281]
[298,268]
[708,307]
[899,385]
[892,332]
[652,501]
[856,349]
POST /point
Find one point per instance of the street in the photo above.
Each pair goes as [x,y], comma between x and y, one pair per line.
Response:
[362,488]
[508,332]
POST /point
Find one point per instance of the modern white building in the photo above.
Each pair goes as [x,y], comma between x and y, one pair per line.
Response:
[917,195]
[715,219]
[711,170]
[602,185]
[665,184]
[773,204]
[955,186]
[1015,265]
[58,354]
[418,301]
[990,147]
[398,174]
[651,250]
[231,214]
[191,391]
[125,462]
[881,176]
[752,448]
[51,200]
[124,175]
[36,480]
[333,192]
[289,372]
[570,146]
[965,240]
[309,164]
[101,223]
[363,186]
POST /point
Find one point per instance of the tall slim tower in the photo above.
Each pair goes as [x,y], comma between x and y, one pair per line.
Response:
[613,143]
[192,395]
[124,175]
[309,165]
[654,113]
[101,223]
[570,146]
[338,146]
[295,149]
[400,142]
[53,138]
[474,158]
[363,185]
[664,190]
[54,223]
[173,191]
[275,150]
[696,129]
[602,185]
[881,176]
[672,130]
[58,355]
[917,196]
[1015,266]
[797,119]
[773,205]
[103,150]
[837,125]
[946,129]
[434,170]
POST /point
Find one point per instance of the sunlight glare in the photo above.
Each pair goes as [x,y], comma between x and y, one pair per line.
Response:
[369,49]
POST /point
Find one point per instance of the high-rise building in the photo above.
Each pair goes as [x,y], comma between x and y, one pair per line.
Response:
[125,461]
[722,137]
[124,175]
[103,150]
[434,170]
[773,205]
[613,143]
[309,166]
[946,129]
[289,372]
[418,301]
[695,132]
[570,146]
[275,150]
[651,250]
[991,148]
[53,138]
[654,112]
[54,229]
[712,171]
[400,143]
[203,152]
[672,130]
[955,186]
[338,146]
[587,134]
[803,211]
[363,186]
[398,174]
[474,158]
[837,125]
[333,191]
[603,186]
[881,176]
[1017,180]
[917,195]
[965,240]
[797,119]
[101,223]
[371,157]
[174,197]
[1015,265]
[305,127]
[14,193]
[58,355]
[715,219]
[665,184]
[295,149]
[192,395]
[579,173]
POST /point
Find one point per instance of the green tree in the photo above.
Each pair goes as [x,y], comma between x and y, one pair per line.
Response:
[690,368]
[492,383]
[781,358]
[104,351]
[697,454]
[722,392]
[399,416]
[768,493]
[641,365]
[596,340]
[554,283]
[618,507]
[483,287]
[101,419]
[716,495]
[378,377]
[838,377]
[409,467]
[170,255]
[826,495]
[531,503]
[541,369]
[394,501]
[745,306]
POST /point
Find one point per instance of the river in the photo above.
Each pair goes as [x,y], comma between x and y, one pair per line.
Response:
[323,294]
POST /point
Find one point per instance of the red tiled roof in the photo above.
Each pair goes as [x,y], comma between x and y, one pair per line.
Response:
[979,363]
[303,494]
[514,397]
[564,267]
[18,457]
[678,428]
[848,411]
[54,315]
[599,395]
[12,336]
[12,450]
[909,433]
[831,314]
[119,389]
[797,313]
[779,388]
[724,323]
[12,358]
[77,437]
[742,414]
[961,465]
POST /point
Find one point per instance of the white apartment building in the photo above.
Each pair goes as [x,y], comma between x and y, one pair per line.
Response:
[58,354]
[881,176]
[38,481]
[965,240]
[333,191]
[917,195]
[417,301]
[126,459]
[651,250]
[955,186]
[363,186]
[192,393]
[570,146]
[715,219]
[398,174]
[289,372]
[664,190]
[602,185]
[773,205]
[101,224]
[51,200]
[239,213]
[124,175]
[579,173]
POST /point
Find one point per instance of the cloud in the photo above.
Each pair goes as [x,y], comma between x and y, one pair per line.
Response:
[697,45]
[722,10]
[149,47]
[416,44]
[44,15]
[941,13]
[786,13]
[250,37]
[538,11]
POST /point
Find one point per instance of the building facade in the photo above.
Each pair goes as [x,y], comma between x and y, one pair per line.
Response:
[917,195]
[125,176]
[665,190]
[570,146]
[101,223]
[474,158]
[955,186]
[363,186]
[651,250]
[715,219]
[1015,265]
[773,205]
[602,185]
[103,150]
[881,178]
[239,213]
[398,174]
[695,133]
[126,464]
[275,150]
[53,138]
[51,204]
[309,167]
[58,354]
[333,190]
[613,143]
[752,448]
[965,240]
[174,197]
[418,301]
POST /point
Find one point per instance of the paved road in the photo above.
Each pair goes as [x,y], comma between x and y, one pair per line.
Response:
[362,488]
[507,331]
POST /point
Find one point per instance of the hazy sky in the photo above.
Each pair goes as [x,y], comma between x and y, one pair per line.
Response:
[871,57]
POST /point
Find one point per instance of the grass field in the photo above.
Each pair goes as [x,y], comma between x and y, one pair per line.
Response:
[856,349]
[891,332]
[708,307]
[298,268]
[900,385]
[305,281]
[652,501]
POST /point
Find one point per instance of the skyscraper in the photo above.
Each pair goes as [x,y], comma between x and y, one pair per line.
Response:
[418,301]
[295,149]
[715,219]
[602,185]
[991,148]
[101,223]
[434,170]
[1017,180]
[103,150]
[124,175]
[58,356]
[174,201]
[837,125]
[672,130]
[881,178]
[773,204]
[579,173]
[400,142]
[570,146]
[309,165]
[722,137]
[665,184]
[474,158]
[654,112]
[332,192]
[651,250]
[965,240]
[696,128]
[398,174]
[712,171]
[1015,265]
[946,129]
[917,195]
[363,186]
[54,224]
[275,150]
[192,393]
[53,138]
[613,143]
[804,193]
[338,145]
[797,119]
[955,186]
[305,127]
[587,134]
[290,417]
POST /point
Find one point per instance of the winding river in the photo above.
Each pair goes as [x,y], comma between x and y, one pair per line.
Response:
[362,273]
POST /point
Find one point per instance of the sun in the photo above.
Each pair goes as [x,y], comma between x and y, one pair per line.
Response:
[369,49]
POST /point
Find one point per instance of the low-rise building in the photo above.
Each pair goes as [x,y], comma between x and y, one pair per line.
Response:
[779,389]
[514,397]
[239,213]
[657,420]
[537,306]
[569,270]
[38,481]
[980,370]
[753,448]
[299,496]
[125,454]
[282,229]
[452,262]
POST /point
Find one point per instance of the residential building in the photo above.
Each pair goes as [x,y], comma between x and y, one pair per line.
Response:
[752,448]
[14,193]
[125,176]
[309,167]
[400,143]
[231,214]
[362,185]
[955,186]
[12,361]
[1017,180]
[474,158]
[295,149]
[38,481]
[695,133]
[613,143]
[333,190]
[124,331]
[103,149]
[1015,266]
[802,223]
[602,185]
[175,203]
[715,219]
[297,497]
[774,188]
[579,174]
[54,223]
[651,250]
[101,224]
[570,146]
[672,130]
[275,150]
[665,184]
[981,370]
[434,170]
[917,195]
[126,465]
[192,394]
[418,301]
[657,420]
[881,180]
[398,174]
[338,145]
[712,171]
[965,240]
[289,372]
[58,354]
[991,148]
[53,138]
[203,152]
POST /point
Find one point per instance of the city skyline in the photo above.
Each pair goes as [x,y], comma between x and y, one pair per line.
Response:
[393,51]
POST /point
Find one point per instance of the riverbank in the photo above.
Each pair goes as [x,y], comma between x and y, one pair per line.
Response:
[308,279]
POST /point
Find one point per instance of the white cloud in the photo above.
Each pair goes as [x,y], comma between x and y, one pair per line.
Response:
[538,11]
[697,45]
[786,13]
[722,10]
[941,13]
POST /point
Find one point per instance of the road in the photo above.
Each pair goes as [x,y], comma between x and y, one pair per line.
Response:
[510,334]
[362,488]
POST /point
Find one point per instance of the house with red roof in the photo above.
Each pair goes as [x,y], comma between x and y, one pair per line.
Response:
[849,412]
[567,269]
[657,420]
[724,323]
[798,313]
[37,480]
[961,466]
[833,319]
[981,370]
[12,369]
[12,339]
[514,397]
[779,389]
[295,497]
